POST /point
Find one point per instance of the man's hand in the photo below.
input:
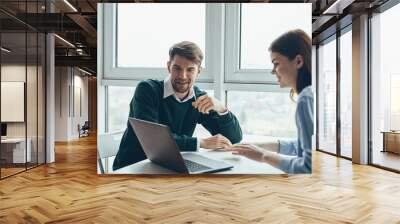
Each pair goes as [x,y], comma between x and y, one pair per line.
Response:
[206,103]
[215,142]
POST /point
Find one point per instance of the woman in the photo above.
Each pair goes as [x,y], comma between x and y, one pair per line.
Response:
[291,57]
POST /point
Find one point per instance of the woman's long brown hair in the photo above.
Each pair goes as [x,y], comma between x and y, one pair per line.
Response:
[293,43]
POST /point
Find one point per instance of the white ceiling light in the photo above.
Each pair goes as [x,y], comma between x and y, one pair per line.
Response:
[65,41]
[70,5]
[338,6]
[84,71]
[5,50]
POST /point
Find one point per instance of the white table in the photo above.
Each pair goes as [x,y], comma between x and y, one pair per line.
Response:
[241,165]
[18,149]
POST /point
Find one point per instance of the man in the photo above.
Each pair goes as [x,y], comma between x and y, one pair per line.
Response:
[179,104]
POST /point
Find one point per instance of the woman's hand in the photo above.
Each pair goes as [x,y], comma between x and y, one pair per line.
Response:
[270,146]
[250,151]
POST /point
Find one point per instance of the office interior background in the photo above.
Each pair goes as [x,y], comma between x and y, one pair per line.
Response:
[50,84]
[30,58]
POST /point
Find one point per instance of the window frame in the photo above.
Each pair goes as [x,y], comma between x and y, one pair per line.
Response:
[234,74]
[221,19]
[340,100]
[330,39]
[110,46]
[337,38]
[374,65]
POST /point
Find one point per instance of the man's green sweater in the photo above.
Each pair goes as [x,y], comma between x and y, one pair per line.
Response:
[148,104]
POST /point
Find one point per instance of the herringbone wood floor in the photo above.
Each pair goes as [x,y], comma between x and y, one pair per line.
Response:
[70,191]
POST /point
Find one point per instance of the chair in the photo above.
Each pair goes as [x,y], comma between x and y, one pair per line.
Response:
[84,130]
[107,146]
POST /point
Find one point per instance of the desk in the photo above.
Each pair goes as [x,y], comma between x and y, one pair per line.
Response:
[13,150]
[241,165]
[391,141]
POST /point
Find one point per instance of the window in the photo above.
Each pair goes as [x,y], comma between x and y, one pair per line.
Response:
[235,40]
[260,26]
[137,50]
[385,85]
[146,44]
[327,96]
[264,113]
[22,75]
[244,30]
[346,94]
[394,102]
[118,107]
[251,28]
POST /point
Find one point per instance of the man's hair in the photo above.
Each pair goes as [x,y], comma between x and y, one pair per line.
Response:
[188,50]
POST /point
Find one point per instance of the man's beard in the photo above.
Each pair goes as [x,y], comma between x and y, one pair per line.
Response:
[181,86]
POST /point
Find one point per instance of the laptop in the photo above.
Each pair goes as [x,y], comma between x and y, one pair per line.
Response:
[161,148]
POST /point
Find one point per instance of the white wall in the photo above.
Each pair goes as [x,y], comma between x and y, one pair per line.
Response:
[70,83]
[13,73]
[79,117]
[61,103]
[33,126]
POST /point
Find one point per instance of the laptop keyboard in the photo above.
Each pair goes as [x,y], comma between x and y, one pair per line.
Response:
[195,167]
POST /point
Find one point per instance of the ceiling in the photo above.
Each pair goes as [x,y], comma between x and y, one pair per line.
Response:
[75,22]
